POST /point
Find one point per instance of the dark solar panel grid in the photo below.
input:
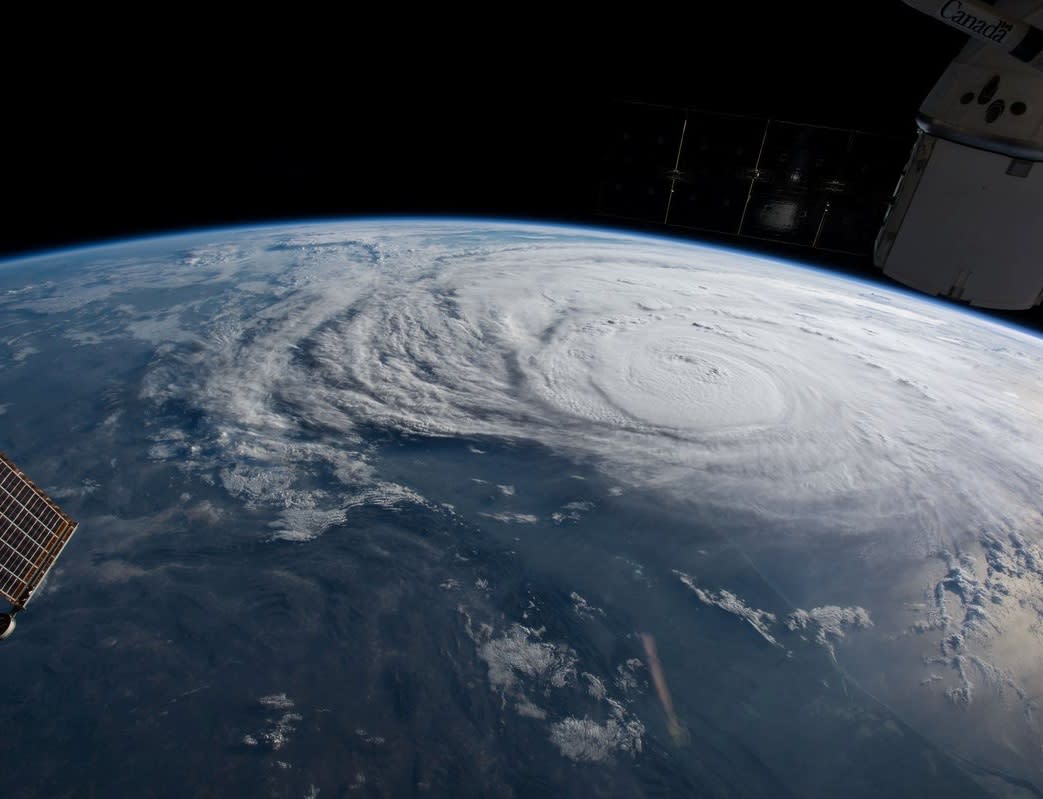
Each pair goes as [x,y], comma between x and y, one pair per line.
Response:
[33,532]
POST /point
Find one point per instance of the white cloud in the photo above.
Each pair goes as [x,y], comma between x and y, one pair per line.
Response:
[525,707]
[571,511]
[377,740]
[759,620]
[627,679]
[520,652]
[512,518]
[582,608]
[584,740]
[521,664]
[118,571]
[278,729]
[304,524]
[595,685]
[276,701]
[828,623]
[86,487]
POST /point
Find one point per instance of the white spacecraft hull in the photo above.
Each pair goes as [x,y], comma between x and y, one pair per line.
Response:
[966,224]
[966,221]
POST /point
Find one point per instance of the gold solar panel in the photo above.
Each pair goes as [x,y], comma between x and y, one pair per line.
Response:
[33,532]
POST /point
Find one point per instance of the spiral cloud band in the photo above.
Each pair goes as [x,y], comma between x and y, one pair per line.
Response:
[778,389]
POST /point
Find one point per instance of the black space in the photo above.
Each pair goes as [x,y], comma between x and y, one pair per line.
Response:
[191,123]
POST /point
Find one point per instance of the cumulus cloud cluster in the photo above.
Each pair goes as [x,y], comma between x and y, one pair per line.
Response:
[827,624]
[966,609]
[519,652]
[583,739]
[525,669]
[279,728]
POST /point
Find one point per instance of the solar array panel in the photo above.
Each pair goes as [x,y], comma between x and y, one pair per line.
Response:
[807,185]
[33,532]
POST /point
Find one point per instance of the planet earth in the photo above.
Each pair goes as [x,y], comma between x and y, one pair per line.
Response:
[461,508]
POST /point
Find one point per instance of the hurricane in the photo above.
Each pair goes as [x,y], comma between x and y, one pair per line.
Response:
[694,370]
[472,506]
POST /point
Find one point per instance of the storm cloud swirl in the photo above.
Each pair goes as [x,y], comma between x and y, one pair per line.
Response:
[782,390]
[898,442]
